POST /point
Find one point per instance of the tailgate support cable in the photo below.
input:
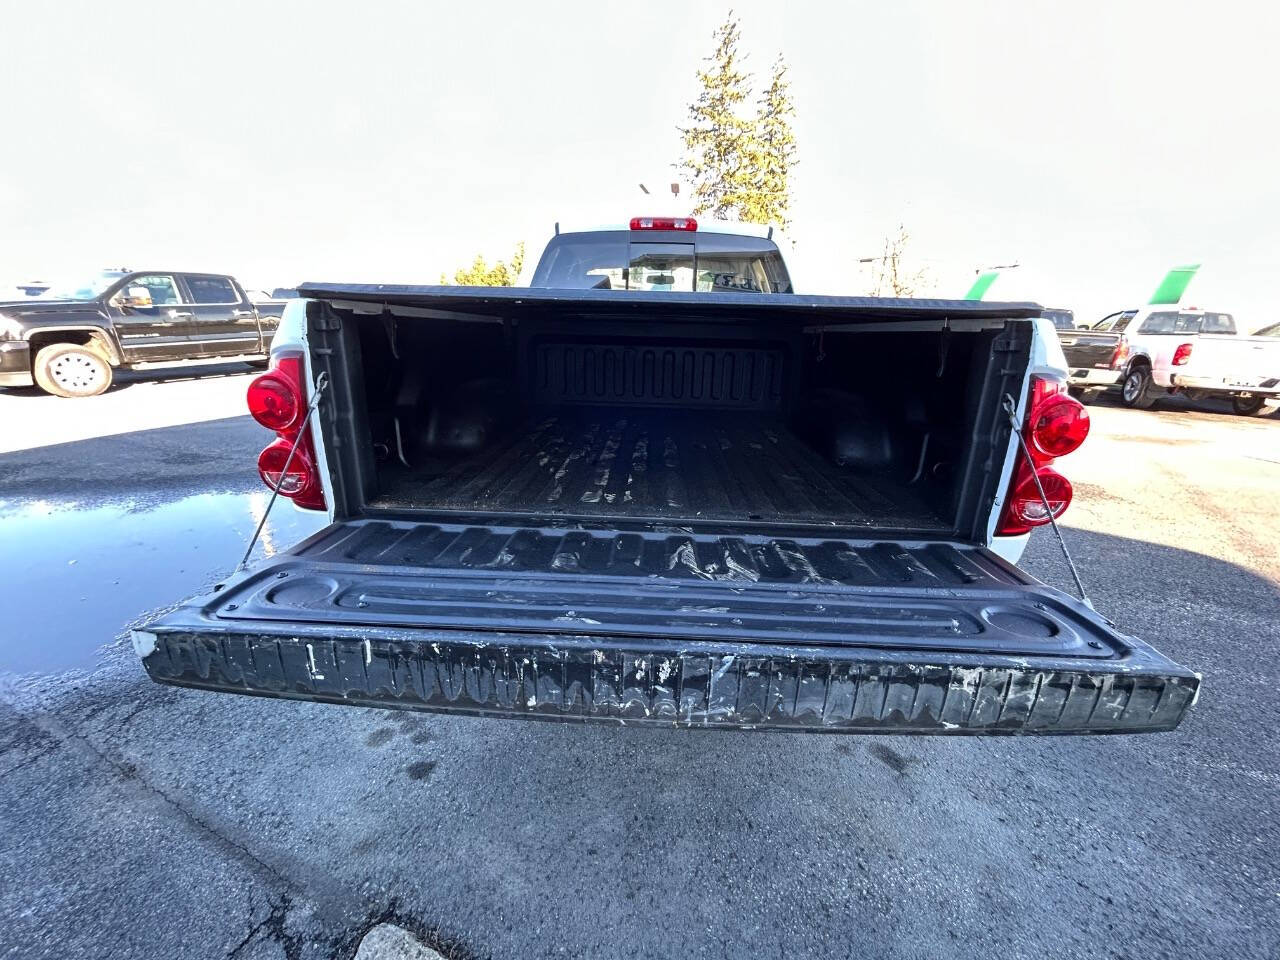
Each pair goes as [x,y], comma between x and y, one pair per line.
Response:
[322,381]
[1011,409]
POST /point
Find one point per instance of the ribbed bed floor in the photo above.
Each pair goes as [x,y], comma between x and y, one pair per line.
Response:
[667,466]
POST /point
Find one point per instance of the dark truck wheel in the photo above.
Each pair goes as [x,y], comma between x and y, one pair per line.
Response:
[1136,391]
[71,370]
[1248,405]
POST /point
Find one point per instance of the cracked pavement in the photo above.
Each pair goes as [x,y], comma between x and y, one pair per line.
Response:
[139,820]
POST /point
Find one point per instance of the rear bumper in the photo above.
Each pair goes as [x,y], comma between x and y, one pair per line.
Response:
[726,685]
[1267,388]
[1090,377]
[15,364]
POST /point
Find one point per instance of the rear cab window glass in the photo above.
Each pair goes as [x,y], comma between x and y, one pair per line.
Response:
[637,260]
[1218,323]
[1171,322]
[1162,322]
[584,260]
[1061,319]
[731,263]
[660,266]
[211,290]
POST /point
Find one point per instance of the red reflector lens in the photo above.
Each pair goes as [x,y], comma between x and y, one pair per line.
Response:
[1059,426]
[1182,354]
[664,223]
[273,401]
[293,481]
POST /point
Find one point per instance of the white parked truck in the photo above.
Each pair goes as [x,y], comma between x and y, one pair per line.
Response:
[697,506]
[1162,350]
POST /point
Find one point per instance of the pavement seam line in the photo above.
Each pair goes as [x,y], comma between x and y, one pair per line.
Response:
[128,773]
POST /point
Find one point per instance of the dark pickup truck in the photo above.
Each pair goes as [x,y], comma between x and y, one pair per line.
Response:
[70,340]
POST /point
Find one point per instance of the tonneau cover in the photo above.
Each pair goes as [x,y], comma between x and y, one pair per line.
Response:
[511,301]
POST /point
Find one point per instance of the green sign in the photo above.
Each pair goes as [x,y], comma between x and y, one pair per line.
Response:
[982,285]
[1174,284]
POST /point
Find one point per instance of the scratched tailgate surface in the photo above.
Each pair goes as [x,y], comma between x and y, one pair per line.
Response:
[660,584]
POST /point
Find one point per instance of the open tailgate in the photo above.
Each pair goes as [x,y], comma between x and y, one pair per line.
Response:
[668,627]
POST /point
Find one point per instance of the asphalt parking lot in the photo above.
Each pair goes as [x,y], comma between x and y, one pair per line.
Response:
[143,820]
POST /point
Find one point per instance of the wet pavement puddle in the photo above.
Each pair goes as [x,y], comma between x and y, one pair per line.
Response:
[75,576]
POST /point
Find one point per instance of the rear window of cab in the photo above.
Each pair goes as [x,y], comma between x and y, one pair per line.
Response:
[1176,322]
[627,260]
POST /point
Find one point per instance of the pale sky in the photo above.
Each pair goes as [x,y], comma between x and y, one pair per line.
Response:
[1096,144]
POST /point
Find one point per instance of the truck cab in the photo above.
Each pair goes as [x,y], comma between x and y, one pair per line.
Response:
[666,254]
[69,340]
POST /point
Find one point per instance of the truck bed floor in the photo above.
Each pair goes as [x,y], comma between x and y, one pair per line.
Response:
[596,463]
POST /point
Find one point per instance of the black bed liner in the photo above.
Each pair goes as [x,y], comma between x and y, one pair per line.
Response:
[823,592]
[727,466]
[665,626]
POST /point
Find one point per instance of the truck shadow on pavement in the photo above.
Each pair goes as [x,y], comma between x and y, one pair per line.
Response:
[1177,403]
[123,379]
[127,378]
[524,839]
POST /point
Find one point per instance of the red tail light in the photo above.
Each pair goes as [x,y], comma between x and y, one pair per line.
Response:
[278,401]
[275,398]
[664,223]
[1182,354]
[294,478]
[1026,508]
[1120,355]
[1056,425]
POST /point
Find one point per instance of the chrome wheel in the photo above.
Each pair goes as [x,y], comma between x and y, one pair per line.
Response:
[1136,391]
[1132,387]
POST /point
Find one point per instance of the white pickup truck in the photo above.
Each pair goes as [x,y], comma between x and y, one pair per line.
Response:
[705,505]
[1197,353]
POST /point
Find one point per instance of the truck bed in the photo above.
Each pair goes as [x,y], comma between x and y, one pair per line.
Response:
[602,462]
